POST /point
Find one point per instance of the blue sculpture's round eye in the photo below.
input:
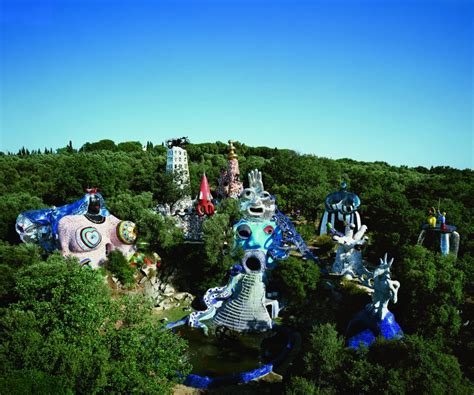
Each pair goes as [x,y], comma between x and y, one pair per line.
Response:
[248,194]
[244,231]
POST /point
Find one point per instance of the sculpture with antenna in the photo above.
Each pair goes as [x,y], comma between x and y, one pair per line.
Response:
[376,319]
[341,208]
[436,226]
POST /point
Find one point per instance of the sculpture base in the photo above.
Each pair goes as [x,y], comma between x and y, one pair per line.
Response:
[366,326]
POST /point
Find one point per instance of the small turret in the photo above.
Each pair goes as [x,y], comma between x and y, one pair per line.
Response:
[229,180]
[232,154]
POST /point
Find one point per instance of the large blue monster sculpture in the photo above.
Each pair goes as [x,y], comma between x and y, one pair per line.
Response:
[265,235]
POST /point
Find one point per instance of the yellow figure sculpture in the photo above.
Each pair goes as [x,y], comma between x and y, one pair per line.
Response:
[432,218]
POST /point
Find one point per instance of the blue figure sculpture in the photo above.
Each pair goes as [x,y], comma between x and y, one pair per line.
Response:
[263,234]
[442,220]
[242,304]
[256,205]
[375,319]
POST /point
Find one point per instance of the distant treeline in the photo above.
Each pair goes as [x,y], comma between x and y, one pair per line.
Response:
[394,199]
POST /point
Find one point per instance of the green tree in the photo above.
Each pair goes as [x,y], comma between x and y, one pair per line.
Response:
[161,233]
[301,386]
[169,191]
[296,279]
[13,257]
[106,145]
[413,365]
[218,240]
[11,205]
[130,146]
[324,355]
[231,208]
[69,149]
[118,265]
[431,293]
[65,334]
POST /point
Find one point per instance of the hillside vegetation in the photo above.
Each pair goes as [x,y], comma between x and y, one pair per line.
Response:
[52,343]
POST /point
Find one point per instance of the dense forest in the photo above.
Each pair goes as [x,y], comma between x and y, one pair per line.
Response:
[59,323]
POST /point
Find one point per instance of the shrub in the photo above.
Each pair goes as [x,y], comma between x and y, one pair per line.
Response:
[65,334]
[118,265]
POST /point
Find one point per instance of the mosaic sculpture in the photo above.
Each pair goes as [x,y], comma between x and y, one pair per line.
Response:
[349,261]
[241,305]
[204,205]
[262,235]
[341,207]
[229,185]
[375,319]
[436,225]
[255,202]
[84,229]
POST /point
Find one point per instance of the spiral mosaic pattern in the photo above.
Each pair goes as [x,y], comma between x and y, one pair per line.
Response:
[127,232]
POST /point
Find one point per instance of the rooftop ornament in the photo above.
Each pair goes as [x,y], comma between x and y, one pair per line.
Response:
[341,208]
[436,224]
[177,142]
[229,180]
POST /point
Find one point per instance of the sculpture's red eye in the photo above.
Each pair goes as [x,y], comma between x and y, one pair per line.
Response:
[268,229]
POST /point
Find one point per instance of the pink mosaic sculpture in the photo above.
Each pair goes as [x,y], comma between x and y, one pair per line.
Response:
[91,235]
[91,242]
[229,181]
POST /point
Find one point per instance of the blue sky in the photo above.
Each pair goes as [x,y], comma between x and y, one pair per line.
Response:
[371,80]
